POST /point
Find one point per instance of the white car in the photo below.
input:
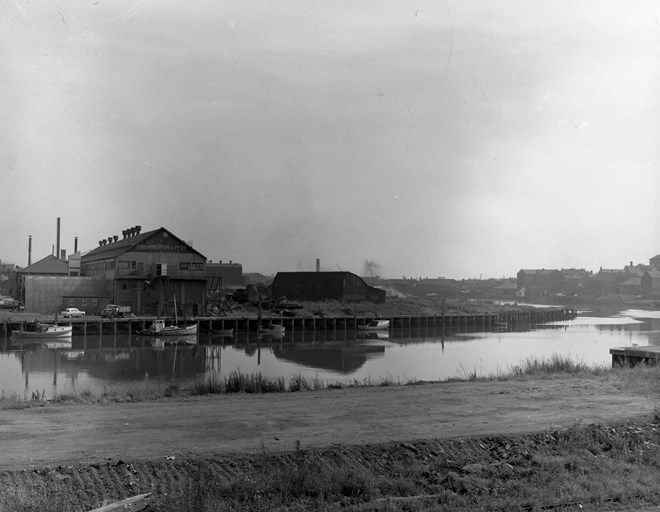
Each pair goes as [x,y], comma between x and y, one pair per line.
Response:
[72,313]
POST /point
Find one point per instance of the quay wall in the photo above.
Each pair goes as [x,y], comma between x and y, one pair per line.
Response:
[97,325]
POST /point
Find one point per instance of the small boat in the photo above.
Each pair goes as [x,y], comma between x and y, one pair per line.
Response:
[45,331]
[158,328]
[374,324]
[272,329]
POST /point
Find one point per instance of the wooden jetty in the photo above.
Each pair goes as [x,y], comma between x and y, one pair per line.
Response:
[451,321]
[631,356]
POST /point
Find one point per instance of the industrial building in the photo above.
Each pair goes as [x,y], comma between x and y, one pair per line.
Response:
[150,272]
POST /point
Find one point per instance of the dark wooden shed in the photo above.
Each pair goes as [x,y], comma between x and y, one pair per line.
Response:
[344,286]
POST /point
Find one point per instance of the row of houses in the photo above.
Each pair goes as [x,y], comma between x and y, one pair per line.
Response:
[640,281]
[154,270]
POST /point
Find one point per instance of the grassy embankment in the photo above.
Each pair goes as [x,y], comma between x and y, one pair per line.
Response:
[586,467]
[238,382]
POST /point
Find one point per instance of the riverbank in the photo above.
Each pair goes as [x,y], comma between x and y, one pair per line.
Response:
[589,439]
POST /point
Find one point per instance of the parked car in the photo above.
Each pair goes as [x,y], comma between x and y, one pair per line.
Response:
[9,303]
[72,313]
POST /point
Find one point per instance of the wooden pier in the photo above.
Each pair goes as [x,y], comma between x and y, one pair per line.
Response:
[631,356]
[450,321]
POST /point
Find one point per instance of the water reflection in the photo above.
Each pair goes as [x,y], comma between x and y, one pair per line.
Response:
[93,362]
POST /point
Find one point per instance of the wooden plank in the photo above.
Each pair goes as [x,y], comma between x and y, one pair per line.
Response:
[133,504]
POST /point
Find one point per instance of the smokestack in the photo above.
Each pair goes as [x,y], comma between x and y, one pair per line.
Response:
[58,238]
[75,244]
[318,265]
[29,250]
[63,254]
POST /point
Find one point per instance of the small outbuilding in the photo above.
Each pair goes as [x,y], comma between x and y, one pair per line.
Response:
[344,286]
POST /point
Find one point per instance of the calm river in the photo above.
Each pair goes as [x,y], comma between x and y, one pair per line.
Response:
[90,363]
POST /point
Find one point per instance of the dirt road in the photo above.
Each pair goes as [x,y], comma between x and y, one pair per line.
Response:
[60,435]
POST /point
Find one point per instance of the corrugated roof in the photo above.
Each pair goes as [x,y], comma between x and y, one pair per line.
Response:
[50,265]
[114,249]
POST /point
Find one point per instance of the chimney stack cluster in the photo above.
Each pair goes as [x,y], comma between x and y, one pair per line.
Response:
[126,233]
[56,251]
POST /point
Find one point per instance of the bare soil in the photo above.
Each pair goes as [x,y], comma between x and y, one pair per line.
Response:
[115,450]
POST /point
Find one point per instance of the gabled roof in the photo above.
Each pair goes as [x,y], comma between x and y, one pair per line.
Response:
[637,270]
[50,265]
[538,272]
[114,249]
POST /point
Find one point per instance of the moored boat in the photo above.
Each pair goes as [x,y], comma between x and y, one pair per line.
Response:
[45,331]
[158,328]
[374,325]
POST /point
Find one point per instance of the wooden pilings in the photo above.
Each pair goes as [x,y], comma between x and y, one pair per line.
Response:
[451,321]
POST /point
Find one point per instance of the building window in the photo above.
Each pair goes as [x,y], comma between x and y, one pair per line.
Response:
[184,265]
[198,266]
[71,302]
[84,302]
[95,302]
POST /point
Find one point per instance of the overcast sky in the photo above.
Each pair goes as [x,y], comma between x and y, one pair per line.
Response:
[434,138]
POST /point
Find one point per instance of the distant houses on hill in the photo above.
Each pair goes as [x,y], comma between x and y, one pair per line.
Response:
[638,281]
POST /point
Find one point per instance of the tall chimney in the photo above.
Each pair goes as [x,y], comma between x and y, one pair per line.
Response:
[318,265]
[75,244]
[57,254]
[29,250]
